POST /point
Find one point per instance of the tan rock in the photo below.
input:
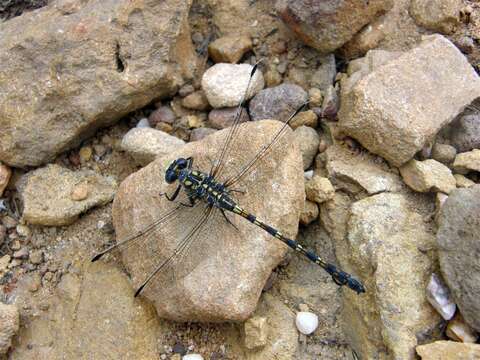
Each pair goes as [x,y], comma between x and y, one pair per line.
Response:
[355,172]
[5,174]
[428,175]
[9,326]
[130,54]
[309,213]
[196,101]
[459,330]
[81,323]
[381,237]
[229,49]
[308,141]
[444,350]
[397,129]
[233,264]
[85,154]
[80,192]
[467,161]
[440,15]
[463,181]
[47,194]
[304,118]
[146,144]
[319,189]
[256,332]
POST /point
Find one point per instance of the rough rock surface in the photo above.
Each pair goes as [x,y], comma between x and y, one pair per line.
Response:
[229,49]
[95,316]
[440,350]
[76,66]
[319,189]
[428,175]
[256,332]
[458,240]
[5,173]
[383,240]
[464,162]
[308,141]
[326,26]
[364,170]
[396,128]
[146,144]
[438,15]
[443,153]
[9,325]
[278,102]
[234,265]
[47,194]
[465,132]
[225,84]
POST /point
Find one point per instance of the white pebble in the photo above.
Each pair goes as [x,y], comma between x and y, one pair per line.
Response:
[306,322]
[438,295]
[143,123]
[225,84]
[308,175]
[192,357]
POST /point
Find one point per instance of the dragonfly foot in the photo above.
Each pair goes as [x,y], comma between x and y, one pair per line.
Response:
[342,278]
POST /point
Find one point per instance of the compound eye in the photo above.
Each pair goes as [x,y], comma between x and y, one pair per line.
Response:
[181,163]
[170,177]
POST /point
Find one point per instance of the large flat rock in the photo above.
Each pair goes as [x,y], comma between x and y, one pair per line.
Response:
[75,66]
[395,105]
[458,240]
[228,267]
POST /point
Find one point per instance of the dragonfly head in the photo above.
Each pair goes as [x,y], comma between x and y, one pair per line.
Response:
[173,170]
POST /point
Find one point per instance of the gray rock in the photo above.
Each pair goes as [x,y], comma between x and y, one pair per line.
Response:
[200,133]
[223,118]
[439,15]
[465,132]
[308,141]
[146,144]
[351,171]
[392,127]
[443,153]
[326,26]
[324,76]
[116,56]
[225,84]
[9,326]
[458,240]
[234,264]
[278,102]
[439,296]
[46,194]
[428,175]
[467,161]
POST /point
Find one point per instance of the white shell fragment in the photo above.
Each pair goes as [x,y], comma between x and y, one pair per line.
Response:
[306,322]
[439,297]
[192,357]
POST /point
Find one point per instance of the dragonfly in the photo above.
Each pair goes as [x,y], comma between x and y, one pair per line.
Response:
[205,200]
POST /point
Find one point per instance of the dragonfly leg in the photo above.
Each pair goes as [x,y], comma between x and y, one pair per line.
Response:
[174,195]
[228,220]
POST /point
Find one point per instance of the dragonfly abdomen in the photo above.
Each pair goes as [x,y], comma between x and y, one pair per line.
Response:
[339,276]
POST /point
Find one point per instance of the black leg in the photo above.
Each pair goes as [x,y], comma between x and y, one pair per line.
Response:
[192,202]
[228,220]
[174,195]
[189,162]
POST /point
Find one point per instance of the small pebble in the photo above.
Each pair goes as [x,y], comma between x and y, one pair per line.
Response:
[9,222]
[164,127]
[80,192]
[16,245]
[143,123]
[192,357]
[229,49]
[164,114]
[308,175]
[438,295]
[186,90]
[35,283]
[196,101]
[459,330]
[21,254]
[315,97]
[44,306]
[4,261]
[36,257]
[256,332]
[23,230]
[3,234]
[306,322]
[99,149]
[179,348]
[85,154]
